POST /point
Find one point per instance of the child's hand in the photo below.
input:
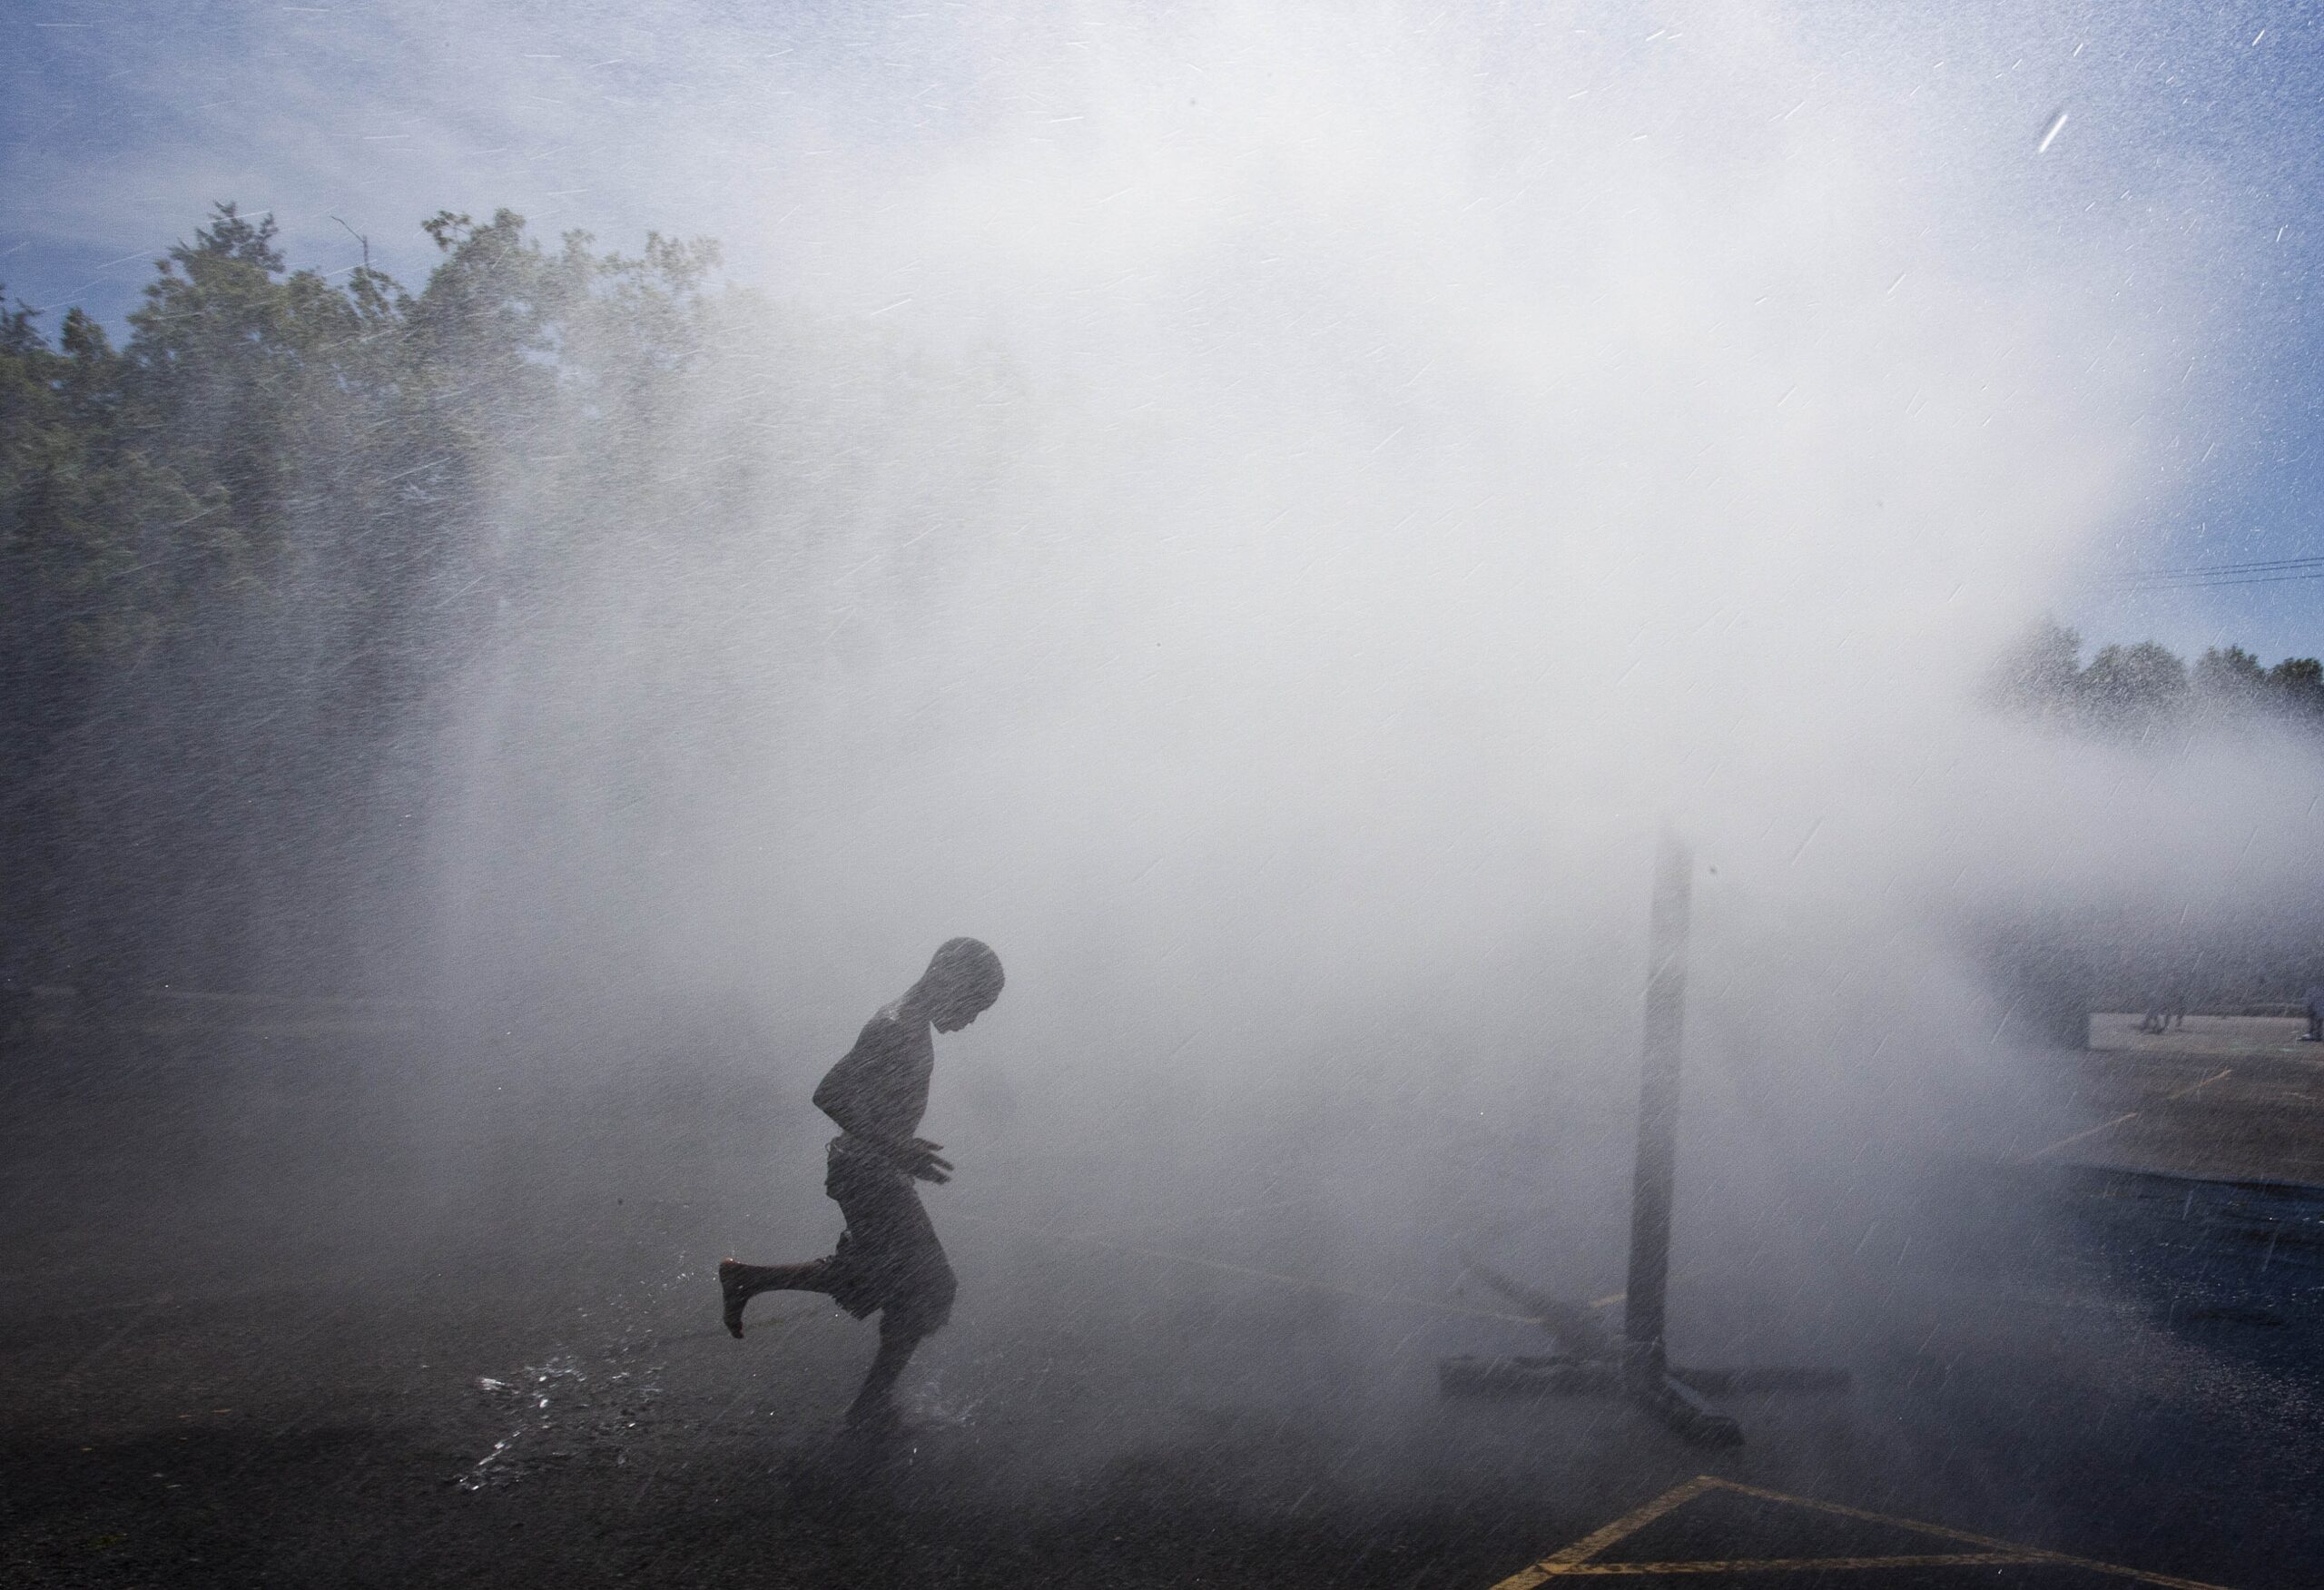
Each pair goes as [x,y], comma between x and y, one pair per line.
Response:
[921,1159]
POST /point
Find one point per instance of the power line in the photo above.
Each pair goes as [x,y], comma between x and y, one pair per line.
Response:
[2200,585]
[2204,577]
[2234,567]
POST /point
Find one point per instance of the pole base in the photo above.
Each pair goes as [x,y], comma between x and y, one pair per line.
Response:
[1682,1410]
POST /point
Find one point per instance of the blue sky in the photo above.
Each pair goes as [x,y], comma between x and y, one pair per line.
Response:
[120,122]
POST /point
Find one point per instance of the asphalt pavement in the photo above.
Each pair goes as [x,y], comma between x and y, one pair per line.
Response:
[2068,1369]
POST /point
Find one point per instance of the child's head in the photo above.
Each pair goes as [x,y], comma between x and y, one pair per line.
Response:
[962,979]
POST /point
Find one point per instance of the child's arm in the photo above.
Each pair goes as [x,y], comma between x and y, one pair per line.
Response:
[850,1093]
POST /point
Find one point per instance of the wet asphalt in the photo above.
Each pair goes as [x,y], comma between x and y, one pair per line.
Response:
[292,1378]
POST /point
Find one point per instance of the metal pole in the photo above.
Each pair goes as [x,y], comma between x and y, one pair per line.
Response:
[1654,1170]
[1644,1373]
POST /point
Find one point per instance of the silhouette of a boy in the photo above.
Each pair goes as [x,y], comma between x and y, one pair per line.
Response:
[888,1261]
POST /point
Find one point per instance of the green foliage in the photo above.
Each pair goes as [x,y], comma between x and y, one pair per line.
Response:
[261,418]
[2134,689]
[2232,674]
[2298,682]
[2144,691]
[244,557]
[229,549]
[90,523]
[2041,669]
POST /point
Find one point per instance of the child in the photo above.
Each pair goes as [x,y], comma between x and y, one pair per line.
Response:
[888,1261]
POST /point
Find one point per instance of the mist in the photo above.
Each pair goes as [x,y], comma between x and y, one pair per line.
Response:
[1265,515]
[1285,526]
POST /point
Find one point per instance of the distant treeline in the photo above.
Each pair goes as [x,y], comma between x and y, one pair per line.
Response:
[2145,691]
[240,555]
[248,557]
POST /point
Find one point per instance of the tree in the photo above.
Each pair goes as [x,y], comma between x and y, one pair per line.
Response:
[2229,667]
[2134,690]
[2299,684]
[241,554]
[2042,673]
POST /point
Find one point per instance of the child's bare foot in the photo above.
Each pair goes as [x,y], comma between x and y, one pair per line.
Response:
[731,1293]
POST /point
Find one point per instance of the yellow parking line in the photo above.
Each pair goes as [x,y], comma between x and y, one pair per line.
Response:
[1965,1538]
[1969,1559]
[1590,1545]
[1574,1562]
